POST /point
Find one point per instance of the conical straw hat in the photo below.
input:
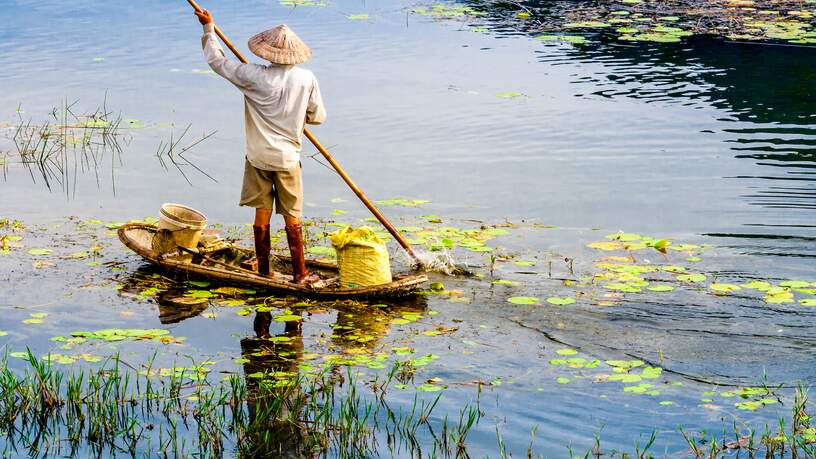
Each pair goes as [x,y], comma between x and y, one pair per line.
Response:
[280,45]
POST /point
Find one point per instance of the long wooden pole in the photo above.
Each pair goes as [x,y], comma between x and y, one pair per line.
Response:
[374,210]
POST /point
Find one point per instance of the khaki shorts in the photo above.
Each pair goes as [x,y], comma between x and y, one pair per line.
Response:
[262,189]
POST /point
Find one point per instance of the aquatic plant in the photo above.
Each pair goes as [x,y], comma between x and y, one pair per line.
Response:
[118,410]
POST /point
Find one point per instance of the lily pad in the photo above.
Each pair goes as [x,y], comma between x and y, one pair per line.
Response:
[505,282]
[566,352]
[696,277]
[724,288]
[560,300]
[523,300]
[625,378]
[288,318]
[508,95]
[571,39]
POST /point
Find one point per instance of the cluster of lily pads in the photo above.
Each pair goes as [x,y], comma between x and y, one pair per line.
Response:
[446,11]
[360,345]
[651,21]
[654,21]
[621,273]
[639,378]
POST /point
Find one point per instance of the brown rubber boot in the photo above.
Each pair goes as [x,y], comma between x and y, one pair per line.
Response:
[300,275]
[263,245]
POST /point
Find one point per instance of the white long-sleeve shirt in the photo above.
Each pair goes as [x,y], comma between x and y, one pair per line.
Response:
[278,100]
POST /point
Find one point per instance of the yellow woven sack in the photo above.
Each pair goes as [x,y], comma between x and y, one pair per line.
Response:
[361,257]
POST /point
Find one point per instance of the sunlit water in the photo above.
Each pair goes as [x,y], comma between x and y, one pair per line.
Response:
[705,142]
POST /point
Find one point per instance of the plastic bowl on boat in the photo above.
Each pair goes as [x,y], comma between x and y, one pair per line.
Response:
[185,222]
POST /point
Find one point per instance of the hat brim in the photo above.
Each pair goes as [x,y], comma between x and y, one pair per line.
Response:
[279,56]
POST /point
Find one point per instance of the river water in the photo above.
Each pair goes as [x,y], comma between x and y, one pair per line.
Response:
[703,142]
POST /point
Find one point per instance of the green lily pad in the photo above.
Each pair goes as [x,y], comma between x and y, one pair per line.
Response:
[622,287]
[508,95]
[571,39]
[724,288]
[642,388]
[560,300]
[430,388]
[696,277]
[288,318]
[505,282]
[523,300]
[757,285]
[625,378]
[651,372]
[794,284]
[625,364]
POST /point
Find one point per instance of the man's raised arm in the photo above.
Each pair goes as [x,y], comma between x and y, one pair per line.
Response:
[236,72]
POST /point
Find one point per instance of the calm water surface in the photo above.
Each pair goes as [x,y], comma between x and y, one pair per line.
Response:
[705,142]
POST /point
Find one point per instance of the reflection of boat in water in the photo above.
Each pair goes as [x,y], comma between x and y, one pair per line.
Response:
[223,265]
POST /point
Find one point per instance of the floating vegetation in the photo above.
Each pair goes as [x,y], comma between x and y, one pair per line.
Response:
[790,21]
[402,202]
[447,11]
[523,300]
[295,3]
[508,95]
[571,39]
[409,342]
[118,334]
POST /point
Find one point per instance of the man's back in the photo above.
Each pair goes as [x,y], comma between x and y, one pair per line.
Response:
[278,100]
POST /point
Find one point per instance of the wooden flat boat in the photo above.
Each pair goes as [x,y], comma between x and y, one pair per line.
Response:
[222,264]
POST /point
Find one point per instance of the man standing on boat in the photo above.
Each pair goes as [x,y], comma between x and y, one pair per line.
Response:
[278,100]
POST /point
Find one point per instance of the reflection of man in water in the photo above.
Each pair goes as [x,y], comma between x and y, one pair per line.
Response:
[271,432]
